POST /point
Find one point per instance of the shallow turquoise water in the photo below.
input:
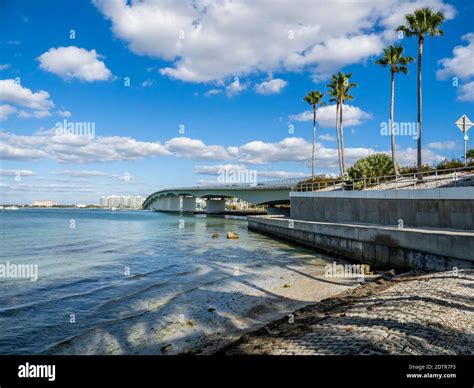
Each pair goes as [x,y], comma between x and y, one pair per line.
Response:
[82,270]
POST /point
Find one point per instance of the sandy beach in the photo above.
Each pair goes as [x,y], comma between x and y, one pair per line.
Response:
[223,308]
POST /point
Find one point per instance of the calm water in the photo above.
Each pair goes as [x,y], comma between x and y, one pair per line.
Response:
[81,269]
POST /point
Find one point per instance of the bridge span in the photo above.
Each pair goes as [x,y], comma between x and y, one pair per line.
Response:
[183,199]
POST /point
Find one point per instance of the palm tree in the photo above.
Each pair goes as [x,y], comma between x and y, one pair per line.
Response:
[420,23]
[339,88]
[470,155]
[393,57]
[314,98]
[333,92]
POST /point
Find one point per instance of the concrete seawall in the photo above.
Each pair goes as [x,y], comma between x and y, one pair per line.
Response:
[445,208]
[382,246]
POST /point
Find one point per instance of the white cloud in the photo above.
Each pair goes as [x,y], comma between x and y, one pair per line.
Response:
[148,83]
[4,172]
[80,173]
[407,157]
[235,88]
[74,148]
[64,113]
[279,174]
[211,41]
[466,92]
[326,137]
[5,111]
[82,149]
[326,116]
[185,147]
[12,92]
[461,65]
[216,170]
[273,86]
[74,62]
[446,145]
[4,66]
[337,52]
[19,153]
[212,92]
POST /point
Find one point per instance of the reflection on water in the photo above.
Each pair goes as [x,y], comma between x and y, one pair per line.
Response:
[112,266]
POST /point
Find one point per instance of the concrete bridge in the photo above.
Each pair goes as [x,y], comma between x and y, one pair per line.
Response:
[183,199]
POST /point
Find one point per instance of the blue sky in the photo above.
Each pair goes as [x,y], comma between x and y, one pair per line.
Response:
[234,74]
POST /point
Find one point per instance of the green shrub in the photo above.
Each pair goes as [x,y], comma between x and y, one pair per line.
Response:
[448,164]
[413,169]
[372,166]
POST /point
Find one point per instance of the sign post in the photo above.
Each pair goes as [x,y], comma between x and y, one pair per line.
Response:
[464,123]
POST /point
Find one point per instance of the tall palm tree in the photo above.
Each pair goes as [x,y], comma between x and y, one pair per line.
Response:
[419,24]
[339,88]
[393,57]
[333,92]
[314,98]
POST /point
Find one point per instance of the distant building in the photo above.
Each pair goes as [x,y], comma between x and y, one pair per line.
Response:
[236,204]
[121,201]
[44,203]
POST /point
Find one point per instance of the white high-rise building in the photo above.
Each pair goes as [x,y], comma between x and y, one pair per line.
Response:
[124,202]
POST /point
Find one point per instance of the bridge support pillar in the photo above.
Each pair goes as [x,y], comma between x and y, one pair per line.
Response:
[215,206]
[174,204]
[165,204]
[188,204]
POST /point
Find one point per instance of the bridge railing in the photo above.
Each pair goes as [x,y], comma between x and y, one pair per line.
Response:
[431,178]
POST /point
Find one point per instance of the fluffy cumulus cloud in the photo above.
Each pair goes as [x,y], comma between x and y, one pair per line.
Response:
[460,65]
[185,147]
[74,62]
[13,92]
[236,87]
[206,40]
[5,111]
[326,116]
[273,86]
[466,92]
[75,148]
[70,148]
[23,101]
[407,157]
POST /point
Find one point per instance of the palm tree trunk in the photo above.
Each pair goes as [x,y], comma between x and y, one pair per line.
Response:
[341,129]
[392,103]
[314,142]
[418,144]
[338,139]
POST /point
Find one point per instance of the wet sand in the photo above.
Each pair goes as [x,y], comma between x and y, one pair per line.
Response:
[217,311]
